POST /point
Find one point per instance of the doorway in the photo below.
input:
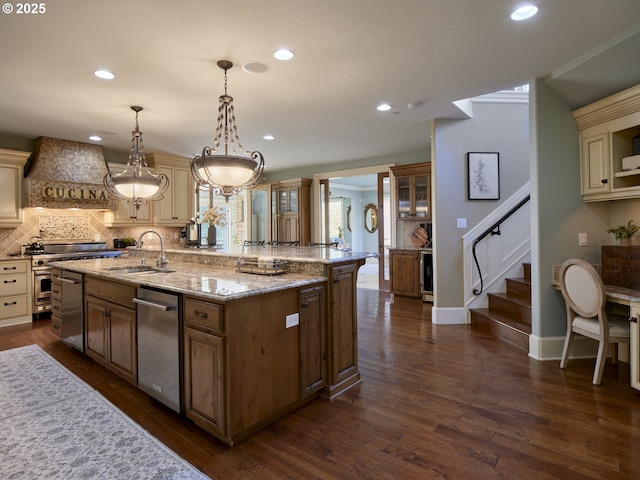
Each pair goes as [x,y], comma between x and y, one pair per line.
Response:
[350,202]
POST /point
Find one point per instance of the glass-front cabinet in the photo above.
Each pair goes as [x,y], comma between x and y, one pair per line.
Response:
[413,191]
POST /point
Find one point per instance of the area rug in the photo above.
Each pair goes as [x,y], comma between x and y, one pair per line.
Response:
[55,426]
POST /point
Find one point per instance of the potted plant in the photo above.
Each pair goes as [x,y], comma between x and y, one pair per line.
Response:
[127,242]
[623,233]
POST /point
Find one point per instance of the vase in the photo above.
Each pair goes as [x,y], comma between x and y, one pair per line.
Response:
[625,242]
[211,236]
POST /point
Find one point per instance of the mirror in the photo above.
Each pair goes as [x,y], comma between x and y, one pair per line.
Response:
[370,218]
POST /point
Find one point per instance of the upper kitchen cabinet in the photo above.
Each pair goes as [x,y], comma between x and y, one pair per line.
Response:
[178,205]
[126,214]
[291,210]
[610,146]
[11,174]
[413,191]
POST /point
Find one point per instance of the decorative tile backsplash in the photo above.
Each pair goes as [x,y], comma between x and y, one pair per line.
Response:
[64,228]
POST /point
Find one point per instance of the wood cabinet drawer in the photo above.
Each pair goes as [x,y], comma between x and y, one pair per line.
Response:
[13,306]
[13,267]
[56,325]
[116,292]
[11,285]
[630,267]
[206,315]
[56,307]
[610,252]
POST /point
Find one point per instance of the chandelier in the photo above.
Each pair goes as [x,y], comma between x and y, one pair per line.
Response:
[233,168]
[137,184]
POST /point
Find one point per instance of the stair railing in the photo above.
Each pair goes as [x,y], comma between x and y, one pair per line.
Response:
[493,230]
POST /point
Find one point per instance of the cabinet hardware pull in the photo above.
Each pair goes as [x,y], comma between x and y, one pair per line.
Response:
[604,180]
[305,304]
[105,313]
[633,319]
[9,268]
[336,280]
[10,281]
[6,304]
[198,313]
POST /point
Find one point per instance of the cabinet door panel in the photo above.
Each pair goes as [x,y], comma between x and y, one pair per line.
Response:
[313,361]
[96,325]
[344,361]
[122,341]
[405,273]
[595,164]
[204,392]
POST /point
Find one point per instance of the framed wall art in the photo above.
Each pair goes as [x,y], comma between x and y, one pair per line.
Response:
[483,174]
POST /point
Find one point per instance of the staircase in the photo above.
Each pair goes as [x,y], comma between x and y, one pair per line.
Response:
[509,314]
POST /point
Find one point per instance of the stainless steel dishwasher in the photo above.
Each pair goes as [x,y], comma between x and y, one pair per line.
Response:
[72,310]
[159,346]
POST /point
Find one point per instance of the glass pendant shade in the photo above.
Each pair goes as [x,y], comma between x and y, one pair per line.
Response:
[235,169]
[136,183]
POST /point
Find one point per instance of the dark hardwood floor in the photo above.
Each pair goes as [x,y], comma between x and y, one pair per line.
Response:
[436,402]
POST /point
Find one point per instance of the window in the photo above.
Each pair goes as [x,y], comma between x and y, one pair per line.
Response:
[233,232]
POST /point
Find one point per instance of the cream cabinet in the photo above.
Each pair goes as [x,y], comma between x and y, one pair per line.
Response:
[15,292]
[11,174]
[178,205]
[635,346]
[126,214]
[607,131]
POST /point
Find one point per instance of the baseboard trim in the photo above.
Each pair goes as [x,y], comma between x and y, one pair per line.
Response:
[448,316]
[550,348]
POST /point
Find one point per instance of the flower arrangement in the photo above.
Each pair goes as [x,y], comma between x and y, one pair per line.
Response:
[213,215]
[624,231]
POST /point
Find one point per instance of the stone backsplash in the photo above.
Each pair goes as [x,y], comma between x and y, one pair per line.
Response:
[60,225]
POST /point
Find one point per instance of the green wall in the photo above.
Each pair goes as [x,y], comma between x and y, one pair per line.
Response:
[558,212]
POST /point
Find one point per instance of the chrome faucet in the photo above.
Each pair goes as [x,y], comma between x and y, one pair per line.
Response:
[162,261]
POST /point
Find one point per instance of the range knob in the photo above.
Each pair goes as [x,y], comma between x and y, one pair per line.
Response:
[40,262]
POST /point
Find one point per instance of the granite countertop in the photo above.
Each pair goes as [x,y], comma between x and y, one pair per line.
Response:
[212,282]
[422,249]
[298,254]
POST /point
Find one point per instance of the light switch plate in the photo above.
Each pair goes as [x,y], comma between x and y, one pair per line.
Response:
[462,223]
[582,239]
[292,320]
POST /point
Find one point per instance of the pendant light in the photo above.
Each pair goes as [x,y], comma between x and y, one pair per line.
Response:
[137,184]
[232,168]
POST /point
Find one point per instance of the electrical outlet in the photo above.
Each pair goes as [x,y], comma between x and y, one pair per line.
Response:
[292,320]
[97,237]
[582,239]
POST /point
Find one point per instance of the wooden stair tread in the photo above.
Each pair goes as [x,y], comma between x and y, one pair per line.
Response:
[508,298]
[509,322]
[482,320]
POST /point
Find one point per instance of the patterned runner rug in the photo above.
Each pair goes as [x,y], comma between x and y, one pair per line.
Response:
[55,426]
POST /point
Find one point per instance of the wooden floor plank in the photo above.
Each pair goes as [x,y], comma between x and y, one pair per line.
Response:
[436,402]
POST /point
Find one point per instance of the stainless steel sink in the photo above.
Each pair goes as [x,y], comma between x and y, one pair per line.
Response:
[138,269]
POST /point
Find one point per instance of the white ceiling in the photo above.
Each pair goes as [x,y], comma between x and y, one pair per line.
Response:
[350,56]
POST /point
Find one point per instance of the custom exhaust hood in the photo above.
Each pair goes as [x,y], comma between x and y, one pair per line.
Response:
[65,174]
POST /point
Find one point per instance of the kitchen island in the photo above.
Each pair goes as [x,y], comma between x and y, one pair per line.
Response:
[255,347]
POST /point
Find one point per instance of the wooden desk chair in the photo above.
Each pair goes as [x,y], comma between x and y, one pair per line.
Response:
[585,299]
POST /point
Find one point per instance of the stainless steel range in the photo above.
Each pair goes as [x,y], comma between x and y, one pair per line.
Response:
[42,255]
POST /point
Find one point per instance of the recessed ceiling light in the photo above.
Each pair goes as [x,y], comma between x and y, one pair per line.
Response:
[524,12]
[384,107]
[283,54]
[95,138]
[107,75]
[269,137]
